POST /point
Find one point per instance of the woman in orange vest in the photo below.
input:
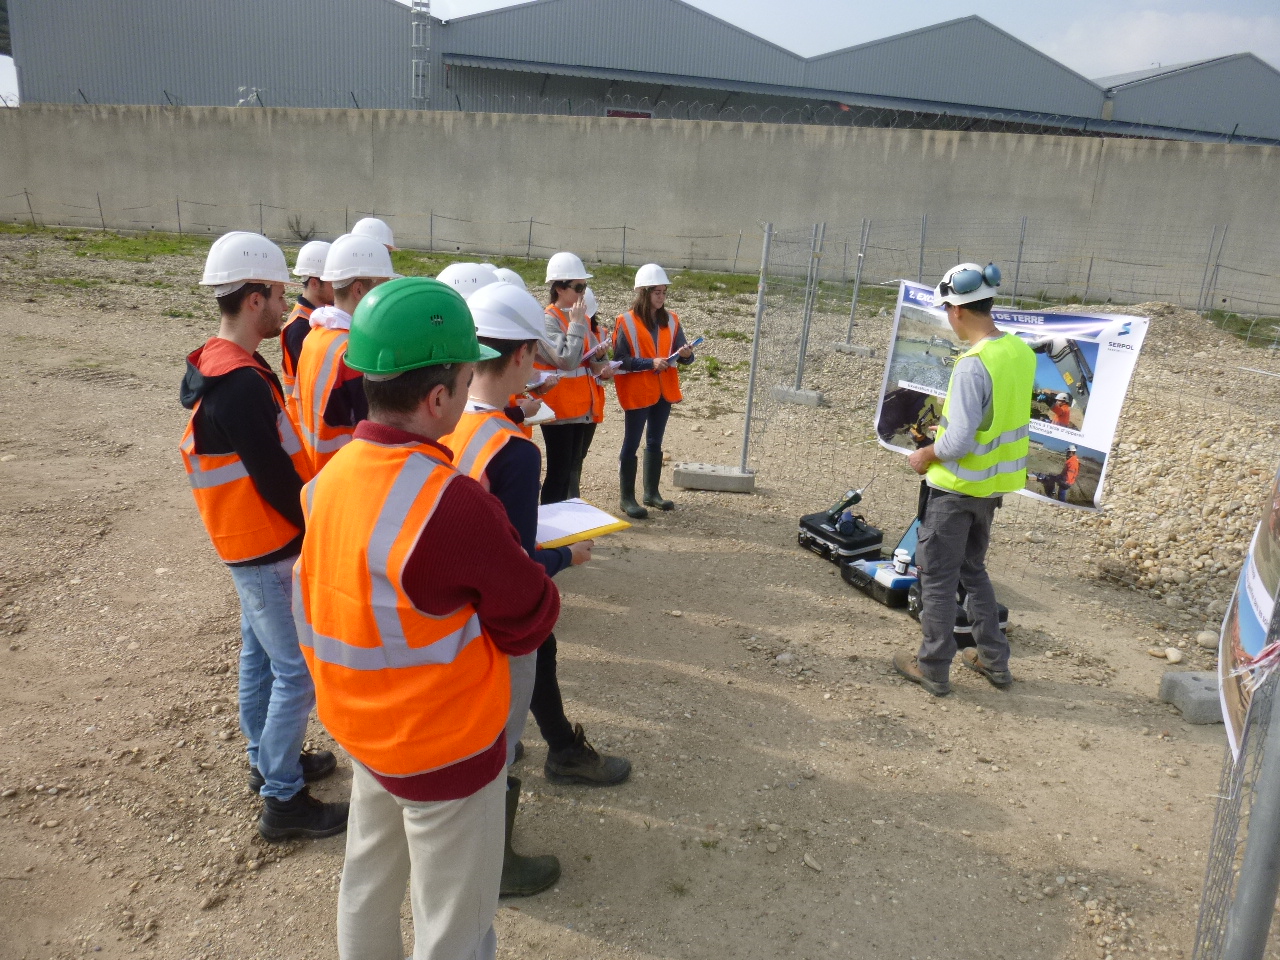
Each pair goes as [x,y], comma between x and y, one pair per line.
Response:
[572,398]
[645,340]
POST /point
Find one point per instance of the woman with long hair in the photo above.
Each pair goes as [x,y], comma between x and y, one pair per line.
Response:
[646,339]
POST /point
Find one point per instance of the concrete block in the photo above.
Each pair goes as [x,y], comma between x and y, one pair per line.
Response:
[854,349]
[708,476]
[1193,693]
[807,398]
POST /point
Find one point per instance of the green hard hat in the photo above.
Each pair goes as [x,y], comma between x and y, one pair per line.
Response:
[409,323]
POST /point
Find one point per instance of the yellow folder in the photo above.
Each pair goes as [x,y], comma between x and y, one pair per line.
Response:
[570,521]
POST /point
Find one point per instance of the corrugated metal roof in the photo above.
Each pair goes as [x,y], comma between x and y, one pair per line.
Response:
[1137,76]
[966,60]
[1236,96]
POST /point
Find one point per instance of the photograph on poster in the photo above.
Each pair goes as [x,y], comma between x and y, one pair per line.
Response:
[1064,380]
[1060,470]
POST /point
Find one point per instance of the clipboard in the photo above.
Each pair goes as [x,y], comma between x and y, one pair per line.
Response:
[571,521]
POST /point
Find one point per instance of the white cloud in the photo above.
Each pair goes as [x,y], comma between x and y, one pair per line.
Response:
[1141,39]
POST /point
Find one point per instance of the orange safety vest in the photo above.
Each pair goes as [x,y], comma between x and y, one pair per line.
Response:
[597,388]
[571,397]
[403,691]
[288,375]
[643,388]
[319,365]
[241,524]
[477,439]
[1070,470]
[1061,413]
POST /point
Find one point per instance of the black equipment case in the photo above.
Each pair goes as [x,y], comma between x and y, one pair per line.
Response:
[865,582]
[820,535]
[964,629]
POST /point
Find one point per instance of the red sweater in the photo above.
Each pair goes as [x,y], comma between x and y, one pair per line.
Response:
[469,553]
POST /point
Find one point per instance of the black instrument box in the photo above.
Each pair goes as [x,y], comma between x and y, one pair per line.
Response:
[820,535]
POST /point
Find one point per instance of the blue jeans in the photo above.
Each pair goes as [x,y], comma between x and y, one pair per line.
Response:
[276,692]
[634,423]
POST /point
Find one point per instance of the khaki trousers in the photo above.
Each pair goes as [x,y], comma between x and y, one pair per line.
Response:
[448,853]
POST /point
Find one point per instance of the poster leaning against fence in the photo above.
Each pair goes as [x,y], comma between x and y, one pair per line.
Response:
[1083,366]
[1247,648]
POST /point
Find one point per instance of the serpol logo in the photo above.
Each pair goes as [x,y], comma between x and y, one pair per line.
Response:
[1125,329]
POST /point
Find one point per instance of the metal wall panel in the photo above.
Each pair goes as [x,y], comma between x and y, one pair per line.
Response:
[656,36]
[965,61]
[1238,94]
[301,53]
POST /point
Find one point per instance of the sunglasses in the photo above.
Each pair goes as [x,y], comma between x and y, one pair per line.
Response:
[577,287]
[967,281]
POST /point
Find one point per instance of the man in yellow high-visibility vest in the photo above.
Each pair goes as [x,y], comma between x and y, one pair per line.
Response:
[978,455]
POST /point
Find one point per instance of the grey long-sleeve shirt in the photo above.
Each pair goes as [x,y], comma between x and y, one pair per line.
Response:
[568,345]
[968,409]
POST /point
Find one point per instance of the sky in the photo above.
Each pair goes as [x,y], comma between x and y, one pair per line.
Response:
[1097,38]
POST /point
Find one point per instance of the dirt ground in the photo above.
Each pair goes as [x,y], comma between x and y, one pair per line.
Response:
[791,797]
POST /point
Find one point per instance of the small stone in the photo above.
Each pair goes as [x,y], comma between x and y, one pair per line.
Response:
[811,863]
[771,847]
[1173,654]
[966,833]
[50,824]
[1034,536]
[776,828]
[808,774]
[134,645]
[1156,652]
[161,571]
[8,792]
[1207,640]
[8,458]
[784,658]
[676,613]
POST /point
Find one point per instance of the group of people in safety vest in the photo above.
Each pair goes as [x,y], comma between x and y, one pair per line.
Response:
[377,510]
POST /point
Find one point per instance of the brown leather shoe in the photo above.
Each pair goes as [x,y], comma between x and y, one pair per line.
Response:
[998,678]
[909,667]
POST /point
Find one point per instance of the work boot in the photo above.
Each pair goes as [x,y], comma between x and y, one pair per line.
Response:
[997,678]
[579,763]
[652,477]
[627,482]
[316,765]
[523,876]
[909,667]
[302,815]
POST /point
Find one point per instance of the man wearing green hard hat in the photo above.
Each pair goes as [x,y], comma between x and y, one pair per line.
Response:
[411,592]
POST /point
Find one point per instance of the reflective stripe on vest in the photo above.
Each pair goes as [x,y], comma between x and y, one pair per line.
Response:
[998,462]
[288,373]
[318,367]
[403,691]
[597,388]
[478,438]
[241,524]
[571,397]
[643,388]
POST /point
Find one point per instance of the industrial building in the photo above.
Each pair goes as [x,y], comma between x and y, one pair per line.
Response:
[634,58]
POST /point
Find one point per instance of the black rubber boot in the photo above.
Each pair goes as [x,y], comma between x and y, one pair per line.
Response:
[523,876]
[302,815]
[652,477]
[627,482]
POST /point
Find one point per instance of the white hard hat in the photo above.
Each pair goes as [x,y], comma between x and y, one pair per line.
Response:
[1063,397]
[311,259]
[352,256]
[375,229]
[566,266]
[505,312]
[967,282]
[651,275]
[467,278]
[237,258]
[1071,448]
[590,302]
[510,276]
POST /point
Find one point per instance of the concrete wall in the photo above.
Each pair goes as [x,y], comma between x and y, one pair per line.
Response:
[1128,213]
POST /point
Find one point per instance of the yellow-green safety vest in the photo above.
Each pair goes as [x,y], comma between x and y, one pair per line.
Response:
[998,464]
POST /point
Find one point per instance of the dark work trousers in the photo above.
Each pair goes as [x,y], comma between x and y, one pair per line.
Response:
[655,418]
[563,441]
[547,707]
[952,550]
